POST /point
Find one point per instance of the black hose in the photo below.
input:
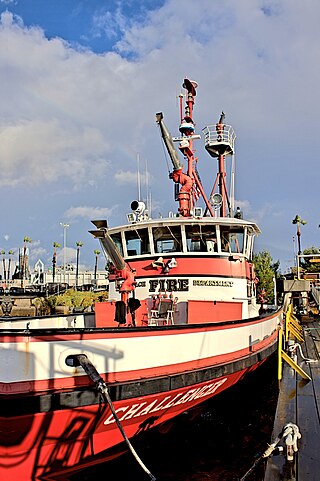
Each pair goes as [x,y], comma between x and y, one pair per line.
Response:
[92,372]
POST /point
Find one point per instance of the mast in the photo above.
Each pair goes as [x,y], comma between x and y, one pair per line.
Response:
[219,143]
[138,177]
[189,181]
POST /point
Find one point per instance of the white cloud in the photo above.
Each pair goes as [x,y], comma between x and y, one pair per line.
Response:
[109,24]
[71,121]
[37,253]
[129,177]
[90,213]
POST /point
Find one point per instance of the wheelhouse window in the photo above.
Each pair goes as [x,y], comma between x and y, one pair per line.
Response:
[118,241]
[167,239]
[232,239]
[137,242]
[201,238]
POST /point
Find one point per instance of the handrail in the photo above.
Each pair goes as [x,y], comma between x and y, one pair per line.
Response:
[315,292]
[212,135]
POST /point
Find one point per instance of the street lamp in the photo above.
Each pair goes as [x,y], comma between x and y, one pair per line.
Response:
[96,252]
[298,221]
[79,245]
[65,227]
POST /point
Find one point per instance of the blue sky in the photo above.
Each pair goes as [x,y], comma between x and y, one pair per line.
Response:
[82,80]
[92,24]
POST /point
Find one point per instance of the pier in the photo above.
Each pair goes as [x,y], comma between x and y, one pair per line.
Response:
[299,403]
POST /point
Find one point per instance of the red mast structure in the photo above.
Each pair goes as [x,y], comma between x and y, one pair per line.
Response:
[219,142]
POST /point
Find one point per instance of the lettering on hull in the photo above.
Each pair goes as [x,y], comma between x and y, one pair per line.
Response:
[142,409]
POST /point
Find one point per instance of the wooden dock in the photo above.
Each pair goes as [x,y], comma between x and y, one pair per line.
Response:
[299,403]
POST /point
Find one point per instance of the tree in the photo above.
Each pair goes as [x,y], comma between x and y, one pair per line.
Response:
[267,271]
[56,245]
[307,263]
[96,253]
[4,265]
[9,264]
[79,245]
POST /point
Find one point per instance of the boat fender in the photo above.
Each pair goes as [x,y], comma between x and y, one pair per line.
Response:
[120,313]
[133,304]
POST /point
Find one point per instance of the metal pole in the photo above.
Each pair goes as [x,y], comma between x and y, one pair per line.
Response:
[65,227]
[275,291]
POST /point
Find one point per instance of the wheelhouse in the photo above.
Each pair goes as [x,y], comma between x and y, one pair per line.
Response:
[195,236]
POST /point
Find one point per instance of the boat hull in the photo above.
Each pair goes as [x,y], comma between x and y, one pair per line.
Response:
[59,424]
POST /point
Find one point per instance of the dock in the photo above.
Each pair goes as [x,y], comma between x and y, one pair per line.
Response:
[299,403]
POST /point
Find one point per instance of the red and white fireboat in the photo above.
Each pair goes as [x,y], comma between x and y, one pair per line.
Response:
[181,325]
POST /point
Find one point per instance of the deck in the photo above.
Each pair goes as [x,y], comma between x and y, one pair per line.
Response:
[299,403]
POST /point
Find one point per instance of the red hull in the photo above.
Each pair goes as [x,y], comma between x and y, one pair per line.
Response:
[45,445]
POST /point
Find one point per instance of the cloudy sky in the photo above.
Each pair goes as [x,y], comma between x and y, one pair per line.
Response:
[81,81]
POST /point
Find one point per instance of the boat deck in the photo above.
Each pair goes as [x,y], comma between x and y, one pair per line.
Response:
[299,403]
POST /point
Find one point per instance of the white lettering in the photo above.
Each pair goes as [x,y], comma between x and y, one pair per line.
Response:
[172,402]
[186,397]
[142,409]
[110,419]
[147,409]
[132,411]
[160,406]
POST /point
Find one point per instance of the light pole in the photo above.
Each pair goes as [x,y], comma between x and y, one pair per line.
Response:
[96,252]
[294,251]
[298,221]
[54,260]
[79,245]
[65,227]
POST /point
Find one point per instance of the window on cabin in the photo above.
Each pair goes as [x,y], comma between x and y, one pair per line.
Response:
[249,243]
[201,238]
[137,242]
[167,239]
[118,241]
[232,239]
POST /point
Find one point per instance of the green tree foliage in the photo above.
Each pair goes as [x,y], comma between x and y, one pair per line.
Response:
[306,262]
[266,271]
[73,298]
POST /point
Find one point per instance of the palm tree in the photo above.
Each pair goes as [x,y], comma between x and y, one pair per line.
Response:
[4,266]
[56,245]
[79,245]
[26,240]
[96,252]
[9,266]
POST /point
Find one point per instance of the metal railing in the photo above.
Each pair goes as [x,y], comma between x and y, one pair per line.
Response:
[315,292]
[213,135]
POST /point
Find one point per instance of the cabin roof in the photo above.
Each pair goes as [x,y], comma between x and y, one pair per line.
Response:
[163,221]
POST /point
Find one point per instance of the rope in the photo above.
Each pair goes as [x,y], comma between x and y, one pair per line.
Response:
[290,433]
[91,371]
[297,346]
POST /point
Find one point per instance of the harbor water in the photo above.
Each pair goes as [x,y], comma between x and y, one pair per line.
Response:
[218,441]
